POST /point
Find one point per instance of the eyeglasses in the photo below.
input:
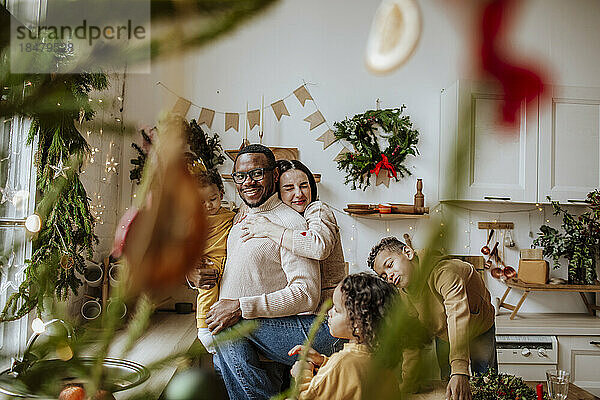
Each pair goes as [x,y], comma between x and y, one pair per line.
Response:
[256,175]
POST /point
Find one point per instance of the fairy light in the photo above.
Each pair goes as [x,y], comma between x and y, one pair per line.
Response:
[38,326]
[33,223]
[111,165]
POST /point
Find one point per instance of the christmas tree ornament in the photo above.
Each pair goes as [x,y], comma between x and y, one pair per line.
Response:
[33,223]
[60,169]
[394,35]
[164,239]
[8,194]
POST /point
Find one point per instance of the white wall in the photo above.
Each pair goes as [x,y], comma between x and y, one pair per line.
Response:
[323,43]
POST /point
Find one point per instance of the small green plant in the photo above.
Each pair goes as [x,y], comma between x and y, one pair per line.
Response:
[579,242]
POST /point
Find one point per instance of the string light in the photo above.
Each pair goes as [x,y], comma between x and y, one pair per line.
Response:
[111,165]
[33,223]
[38,326]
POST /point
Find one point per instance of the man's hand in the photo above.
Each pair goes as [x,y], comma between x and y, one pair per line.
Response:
[458,388]
[313,356]
[223,314]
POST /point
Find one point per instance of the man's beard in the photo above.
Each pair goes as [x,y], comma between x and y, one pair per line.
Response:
[268,192]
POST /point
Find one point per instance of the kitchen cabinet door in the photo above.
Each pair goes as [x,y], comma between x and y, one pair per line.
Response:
[569,143]
[480,157]
[580,355]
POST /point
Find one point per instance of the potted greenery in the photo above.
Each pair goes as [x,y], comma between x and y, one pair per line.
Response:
[579,243]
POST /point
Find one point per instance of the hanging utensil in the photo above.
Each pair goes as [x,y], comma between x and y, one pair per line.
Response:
[493,254]
[485,250]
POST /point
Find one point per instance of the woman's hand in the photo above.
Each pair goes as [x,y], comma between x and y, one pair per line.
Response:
[258,226]
[313,357]
[302,368]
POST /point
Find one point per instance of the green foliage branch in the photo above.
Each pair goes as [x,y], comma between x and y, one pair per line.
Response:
[67,231]
[579,241]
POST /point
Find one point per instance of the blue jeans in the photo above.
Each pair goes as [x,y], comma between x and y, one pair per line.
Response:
[482,350]
[248,377]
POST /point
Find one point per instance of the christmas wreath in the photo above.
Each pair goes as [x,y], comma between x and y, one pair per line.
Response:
[362,131]
[494,386]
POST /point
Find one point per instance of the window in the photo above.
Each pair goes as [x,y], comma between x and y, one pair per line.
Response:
[17,201]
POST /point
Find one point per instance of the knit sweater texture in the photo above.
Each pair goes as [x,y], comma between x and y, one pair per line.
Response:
[270,280]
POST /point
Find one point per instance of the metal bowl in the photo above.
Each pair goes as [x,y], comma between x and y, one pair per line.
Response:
[119,375]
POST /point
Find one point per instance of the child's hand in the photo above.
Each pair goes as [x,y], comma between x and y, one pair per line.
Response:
[302,368]
[312,356]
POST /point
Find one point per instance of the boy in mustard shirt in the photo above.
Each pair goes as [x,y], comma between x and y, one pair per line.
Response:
[220,221]
[452,301]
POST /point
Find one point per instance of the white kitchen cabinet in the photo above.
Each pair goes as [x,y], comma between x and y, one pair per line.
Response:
[569,152]
[480,158]
[554,150]
[581,356]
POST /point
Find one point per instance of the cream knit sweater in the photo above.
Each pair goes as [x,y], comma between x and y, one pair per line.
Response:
[269,280]
[322,242]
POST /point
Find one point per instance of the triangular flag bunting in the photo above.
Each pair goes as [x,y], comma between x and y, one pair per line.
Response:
[328,138]
[315,119]
[253,118]
[302,95]
[382,179]
[342,154]
[232,120]
[181,107]
[279,109]
[206,117]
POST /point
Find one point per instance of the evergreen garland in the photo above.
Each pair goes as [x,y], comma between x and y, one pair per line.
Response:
[67,231]
[138,163]
[205,147]
[494,386]
[360,132]
[202,147]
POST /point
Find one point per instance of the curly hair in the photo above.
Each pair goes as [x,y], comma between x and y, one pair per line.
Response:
[366,297]
[389,243]
[209,177]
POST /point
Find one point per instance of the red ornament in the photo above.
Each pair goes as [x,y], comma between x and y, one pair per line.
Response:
[72,392]
[519,83]
[303,233]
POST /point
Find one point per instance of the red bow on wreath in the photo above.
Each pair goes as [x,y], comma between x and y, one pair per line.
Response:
[385,164]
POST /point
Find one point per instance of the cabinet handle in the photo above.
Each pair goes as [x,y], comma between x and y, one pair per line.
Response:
[595,342]
[495,198]
[577,201]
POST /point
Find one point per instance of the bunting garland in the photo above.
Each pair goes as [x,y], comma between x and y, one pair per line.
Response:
[232,121]
[206,117]
[253,117]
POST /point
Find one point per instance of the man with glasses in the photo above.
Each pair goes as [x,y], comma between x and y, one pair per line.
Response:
[265,282]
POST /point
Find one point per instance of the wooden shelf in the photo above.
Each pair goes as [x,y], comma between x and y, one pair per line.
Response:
[388,216]
[228,178]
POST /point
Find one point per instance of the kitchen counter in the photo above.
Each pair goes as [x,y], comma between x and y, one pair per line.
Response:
[548,324]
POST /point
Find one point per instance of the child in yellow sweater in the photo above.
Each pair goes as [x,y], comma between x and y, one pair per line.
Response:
[220,221]
[359,304]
